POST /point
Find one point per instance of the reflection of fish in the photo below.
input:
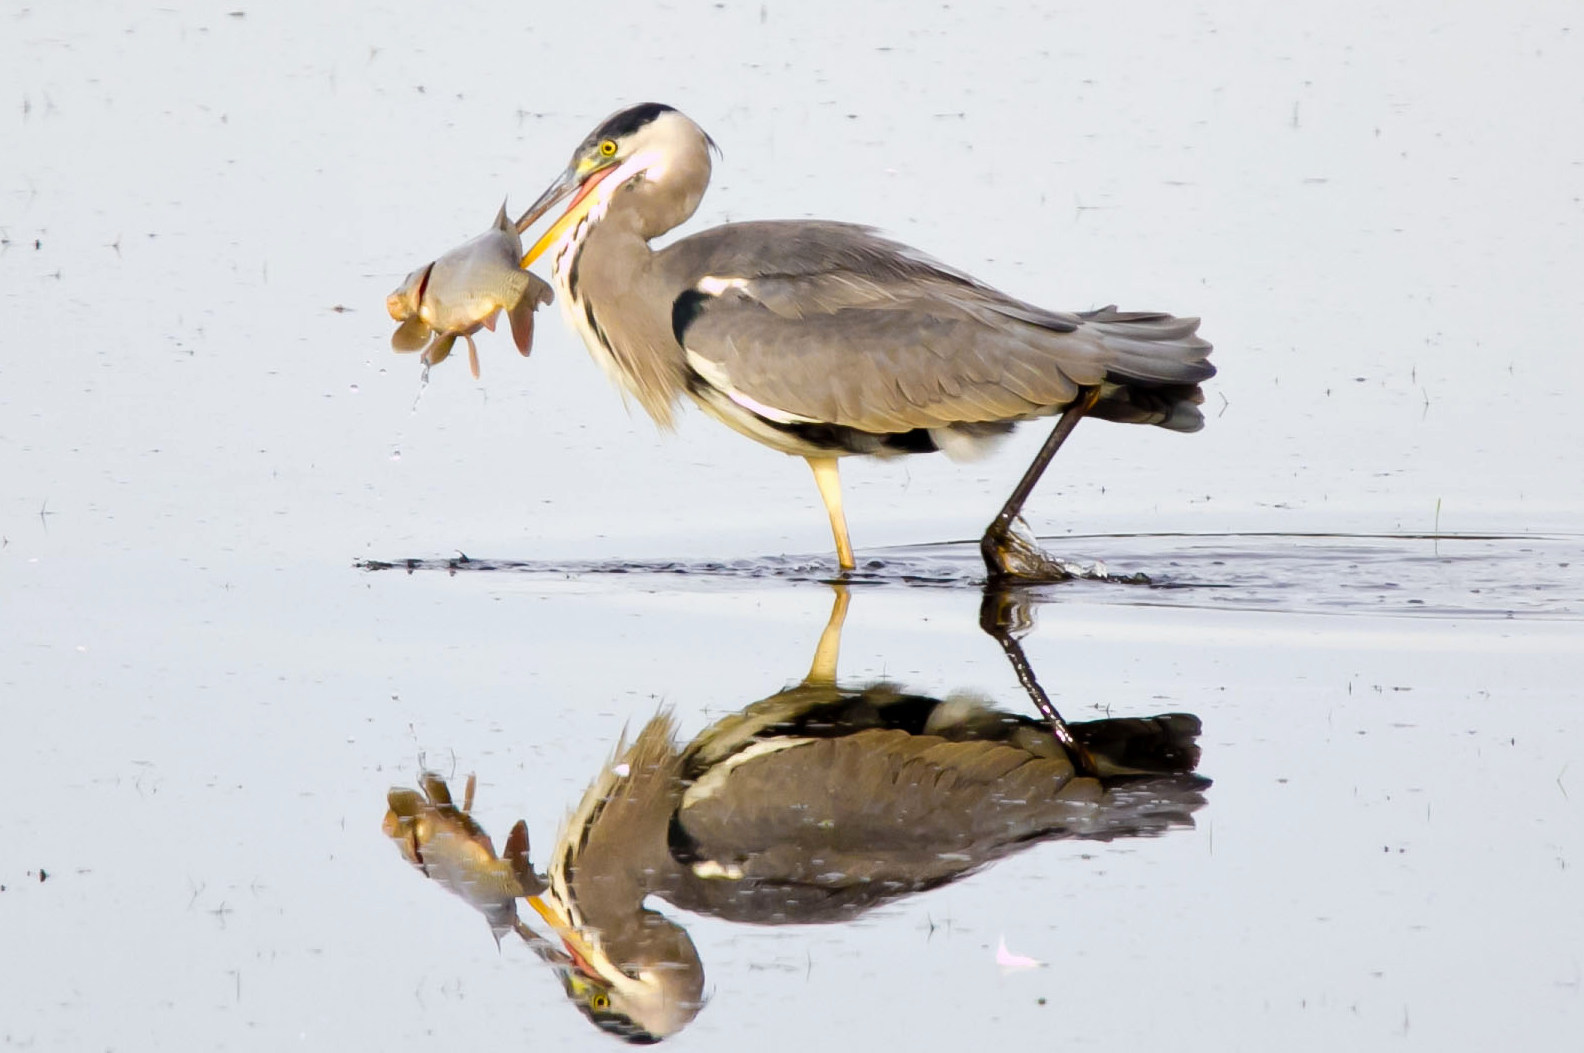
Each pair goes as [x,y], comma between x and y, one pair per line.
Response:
[818,804]
[446,844]
[463,291]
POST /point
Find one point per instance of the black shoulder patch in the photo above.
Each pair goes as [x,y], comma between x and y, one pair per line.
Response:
[683,845]
[685,311]
[625,122]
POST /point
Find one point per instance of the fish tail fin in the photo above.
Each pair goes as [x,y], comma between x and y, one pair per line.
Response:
[536,291]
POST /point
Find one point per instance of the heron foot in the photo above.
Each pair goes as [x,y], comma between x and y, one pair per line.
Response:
[1012,555]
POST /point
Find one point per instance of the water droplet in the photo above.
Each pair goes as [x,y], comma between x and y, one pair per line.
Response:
[353,389]
[395,455]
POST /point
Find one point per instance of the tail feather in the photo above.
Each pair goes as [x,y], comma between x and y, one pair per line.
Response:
[1157,363]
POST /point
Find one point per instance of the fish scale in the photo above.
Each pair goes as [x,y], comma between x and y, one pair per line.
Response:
[464,291]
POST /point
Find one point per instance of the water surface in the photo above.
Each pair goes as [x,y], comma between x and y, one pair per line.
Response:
[1365,572]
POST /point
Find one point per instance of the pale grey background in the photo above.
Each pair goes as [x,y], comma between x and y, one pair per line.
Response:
[1377,210]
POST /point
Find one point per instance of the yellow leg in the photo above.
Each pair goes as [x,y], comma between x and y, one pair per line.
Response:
[823,671]
[829,483]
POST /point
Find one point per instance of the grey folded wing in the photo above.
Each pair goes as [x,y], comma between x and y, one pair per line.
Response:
[832,323]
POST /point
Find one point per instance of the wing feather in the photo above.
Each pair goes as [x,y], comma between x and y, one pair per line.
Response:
[833,323]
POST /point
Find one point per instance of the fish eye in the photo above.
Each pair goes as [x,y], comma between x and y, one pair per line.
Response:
[608,148]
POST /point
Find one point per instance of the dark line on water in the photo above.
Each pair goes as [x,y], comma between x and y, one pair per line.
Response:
[1496,576]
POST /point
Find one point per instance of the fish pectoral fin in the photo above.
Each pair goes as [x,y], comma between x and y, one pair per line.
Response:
[521,317]
[472,356]
[539,290]
[515,852]
[411,335]
[405,803]
[438,350]
[435,788]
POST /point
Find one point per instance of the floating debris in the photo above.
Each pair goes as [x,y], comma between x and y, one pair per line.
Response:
[1014,962]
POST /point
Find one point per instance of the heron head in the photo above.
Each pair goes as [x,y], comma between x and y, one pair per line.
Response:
[651,154]
[643,982]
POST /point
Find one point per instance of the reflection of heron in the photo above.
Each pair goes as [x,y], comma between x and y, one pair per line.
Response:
[814,805]
[826,340]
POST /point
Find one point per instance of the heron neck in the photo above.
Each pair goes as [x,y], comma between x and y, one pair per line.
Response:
[622,306]
[614,851]
[612,877]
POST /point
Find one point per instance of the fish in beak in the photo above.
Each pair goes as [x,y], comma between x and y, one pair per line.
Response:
[464,291]
[579,182]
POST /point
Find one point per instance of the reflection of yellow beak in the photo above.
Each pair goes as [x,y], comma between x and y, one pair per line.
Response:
[583,953]
[581,988]
[580,207]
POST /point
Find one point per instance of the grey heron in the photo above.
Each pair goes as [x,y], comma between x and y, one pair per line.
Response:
[826,340]
[815,804]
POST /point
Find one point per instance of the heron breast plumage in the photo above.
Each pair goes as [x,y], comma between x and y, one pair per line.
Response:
[823,339]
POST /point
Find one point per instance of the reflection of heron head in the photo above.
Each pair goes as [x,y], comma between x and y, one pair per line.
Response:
[643,984]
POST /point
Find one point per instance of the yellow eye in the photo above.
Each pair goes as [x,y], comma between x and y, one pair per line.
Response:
[600,1003]
[608,148]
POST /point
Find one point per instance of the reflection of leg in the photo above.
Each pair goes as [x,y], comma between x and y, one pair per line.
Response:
[999,613]
[823,671]
[999,533]
[829,483]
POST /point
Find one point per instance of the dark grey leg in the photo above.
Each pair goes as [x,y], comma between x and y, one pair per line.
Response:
[998,613]
[993,545]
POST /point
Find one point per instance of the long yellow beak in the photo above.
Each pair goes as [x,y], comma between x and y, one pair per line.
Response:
[583,952]
[575,213]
